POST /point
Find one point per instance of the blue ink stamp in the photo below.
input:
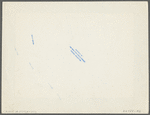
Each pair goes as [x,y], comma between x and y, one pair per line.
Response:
[77,54]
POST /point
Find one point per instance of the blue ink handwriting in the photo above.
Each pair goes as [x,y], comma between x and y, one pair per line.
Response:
[77,54]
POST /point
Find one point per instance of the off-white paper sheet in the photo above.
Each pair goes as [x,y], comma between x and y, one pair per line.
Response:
[75,57]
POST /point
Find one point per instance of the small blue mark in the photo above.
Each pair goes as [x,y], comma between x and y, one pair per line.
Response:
[77,54]
[59,96]
[83,60]
[31,65]
[16,51]
[32,39]
[50,86]
[71,48]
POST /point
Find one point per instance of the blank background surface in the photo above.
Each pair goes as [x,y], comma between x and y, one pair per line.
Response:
[45,77]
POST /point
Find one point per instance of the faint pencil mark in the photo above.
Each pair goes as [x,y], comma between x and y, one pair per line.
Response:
[59,96]
[50,86]
[31,65]
[16,51]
